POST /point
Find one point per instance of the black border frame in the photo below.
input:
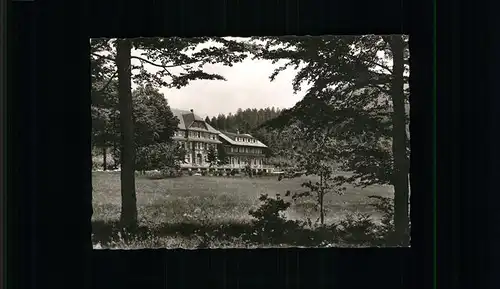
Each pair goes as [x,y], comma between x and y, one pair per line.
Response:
[50,119]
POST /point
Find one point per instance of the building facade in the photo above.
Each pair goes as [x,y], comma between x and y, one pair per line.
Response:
[196,136]
[243,150]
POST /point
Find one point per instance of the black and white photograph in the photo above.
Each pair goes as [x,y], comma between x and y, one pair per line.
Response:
[258,142]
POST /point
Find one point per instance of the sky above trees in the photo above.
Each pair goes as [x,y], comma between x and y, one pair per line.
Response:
[247,86]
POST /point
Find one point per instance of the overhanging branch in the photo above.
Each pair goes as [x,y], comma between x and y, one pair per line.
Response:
[103,56]
[108,82]
[161,65]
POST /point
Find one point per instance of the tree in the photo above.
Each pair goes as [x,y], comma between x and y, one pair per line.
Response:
[213,122]
[128,216]
[207,120]
[166,54]
[316,156]
[104,117]
[153,120]
[162,156]
[356,91]
[211,156]
[221,122]
[154,123]
[222,157]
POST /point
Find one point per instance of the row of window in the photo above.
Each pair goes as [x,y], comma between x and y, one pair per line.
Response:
[242,139]
[197,145]
[232,160]
[245,150]
[198,159]
[197,134]
[238,161]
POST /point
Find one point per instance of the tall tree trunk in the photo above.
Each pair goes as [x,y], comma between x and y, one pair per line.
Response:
[104,159]
[128,217]
[401,163]
[321,199]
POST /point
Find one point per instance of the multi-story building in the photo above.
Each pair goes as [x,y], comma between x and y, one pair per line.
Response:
[196,136]
[243,150]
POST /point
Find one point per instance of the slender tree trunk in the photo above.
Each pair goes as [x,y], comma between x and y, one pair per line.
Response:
[128,217]
[104,159]
[321,196]
[401,163]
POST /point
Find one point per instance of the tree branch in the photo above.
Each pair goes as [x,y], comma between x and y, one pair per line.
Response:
[103,56]
[108,82]
[161,65]
[379,65]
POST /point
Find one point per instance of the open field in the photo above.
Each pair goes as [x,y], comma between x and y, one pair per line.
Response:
[212,201]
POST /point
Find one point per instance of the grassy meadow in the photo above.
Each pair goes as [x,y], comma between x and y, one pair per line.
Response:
[174,211]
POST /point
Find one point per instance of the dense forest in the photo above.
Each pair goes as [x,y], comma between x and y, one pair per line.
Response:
[244,121]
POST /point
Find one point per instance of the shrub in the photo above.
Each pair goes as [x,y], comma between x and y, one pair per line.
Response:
[171,173]
[269,224]
[357,228]
[190,172]
[385,205]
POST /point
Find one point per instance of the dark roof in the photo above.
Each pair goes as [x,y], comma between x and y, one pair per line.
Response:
[231,139]
[233,135]
[186,119]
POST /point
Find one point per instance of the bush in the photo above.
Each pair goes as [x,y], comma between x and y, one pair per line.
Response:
[190,172]
[171,173]
[357,228]
[98,160]
[270,226]
[387,230]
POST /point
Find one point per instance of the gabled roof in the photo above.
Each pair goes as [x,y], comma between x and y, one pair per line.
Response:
[233,135]
[186,119]
[231,139]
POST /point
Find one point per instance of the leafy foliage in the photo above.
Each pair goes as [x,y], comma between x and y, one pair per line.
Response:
[314,157]
[222,157]
[104,114]
[357,228]
[153,120]
[270,225]
[358,97]
[350,87]
[165,157]
[212,156]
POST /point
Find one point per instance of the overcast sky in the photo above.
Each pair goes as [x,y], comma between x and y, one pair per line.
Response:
[247,85]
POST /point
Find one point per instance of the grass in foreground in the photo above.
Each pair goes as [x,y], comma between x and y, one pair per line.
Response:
[181,212]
